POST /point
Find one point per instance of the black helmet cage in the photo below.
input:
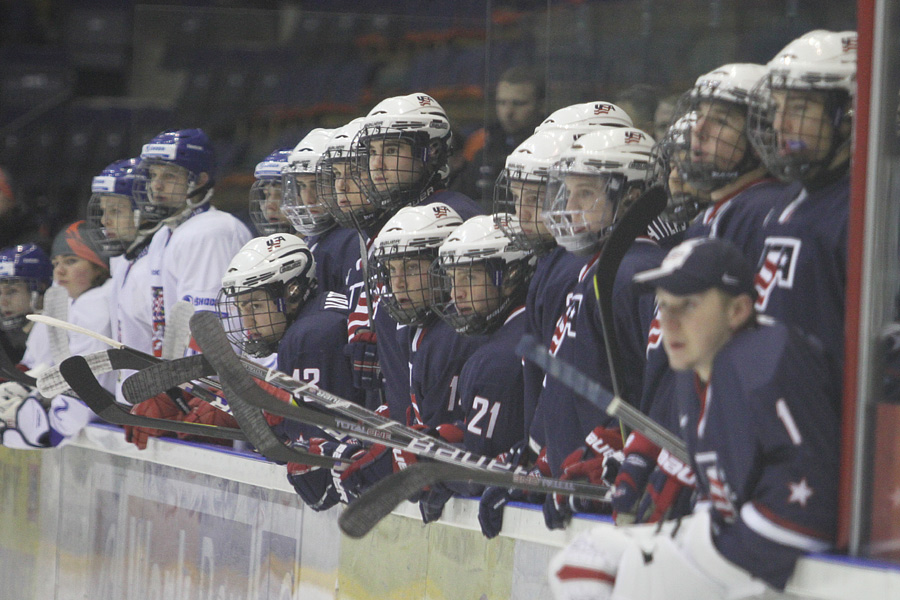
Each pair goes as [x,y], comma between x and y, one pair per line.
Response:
[508,182]
[513,276]
[707,176]
[431,153]
[406,311]
[795,166]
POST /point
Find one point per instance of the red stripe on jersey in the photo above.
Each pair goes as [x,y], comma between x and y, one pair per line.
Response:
[569,572]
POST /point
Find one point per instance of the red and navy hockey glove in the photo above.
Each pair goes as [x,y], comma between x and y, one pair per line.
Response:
[204,413]
[363,355]
[316,485]
[669,492]
[597,462]
[494,499]
[157,407]
[634,473]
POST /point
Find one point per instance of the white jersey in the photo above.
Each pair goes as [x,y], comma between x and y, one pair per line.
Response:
[131,307]
[91,311]
[191,264]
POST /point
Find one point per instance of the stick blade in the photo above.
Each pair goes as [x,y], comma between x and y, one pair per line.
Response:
[366,511]
[177,335]
[161,377]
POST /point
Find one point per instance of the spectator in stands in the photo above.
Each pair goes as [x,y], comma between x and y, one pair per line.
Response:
[519,105]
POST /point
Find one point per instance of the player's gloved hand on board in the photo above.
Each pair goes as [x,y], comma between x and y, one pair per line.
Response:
[24,423]
[157,407]
[363,355]
[631,481]
[494,499]
[316,485]
[432,501]
[669,492]
[204,413]
[597,462]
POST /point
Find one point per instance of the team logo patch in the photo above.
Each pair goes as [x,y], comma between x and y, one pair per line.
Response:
[633,137]
[849,44]
[441,211]
[778,268]
[602,109]
[274,243]
[425,100]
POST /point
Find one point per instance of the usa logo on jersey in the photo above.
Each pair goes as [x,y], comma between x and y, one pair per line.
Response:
[565,326]
[778,268]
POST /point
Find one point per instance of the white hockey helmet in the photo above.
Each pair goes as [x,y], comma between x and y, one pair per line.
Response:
[266,195]
[480,243]
[819,63]
[590,184]
[721,152]
[522,186]
[280,265]
[420,122]
[300,203]
[579,119]
[407,239]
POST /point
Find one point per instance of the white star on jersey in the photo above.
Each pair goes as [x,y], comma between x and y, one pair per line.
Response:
[800,492]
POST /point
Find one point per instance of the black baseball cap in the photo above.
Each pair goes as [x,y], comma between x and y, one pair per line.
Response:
[697,265]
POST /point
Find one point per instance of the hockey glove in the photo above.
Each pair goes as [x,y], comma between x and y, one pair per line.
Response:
[597,462]
[669,491]
[316,485]
[12,395]
[634,473]
[368,467]
[157,407]
[24,423]
[203,413]
[363,355]
[431,504]
[494,499]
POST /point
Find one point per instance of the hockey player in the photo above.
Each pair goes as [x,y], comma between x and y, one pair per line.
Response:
[174,185]
[481,279]
[266,195]
[335,248]
[399,158]
[756,407]
[25,273]
[800,123]
[270,302]
[79,268]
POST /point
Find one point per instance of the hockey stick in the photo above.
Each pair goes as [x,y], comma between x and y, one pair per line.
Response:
[51,383]
[632,224]
[56,305]
[597,395]
[81,379]
[461,465]
[9,371]
[177,335]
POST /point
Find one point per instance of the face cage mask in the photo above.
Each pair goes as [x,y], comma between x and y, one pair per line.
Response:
[533,239]
[260,193]
[573,229]
[408,187]
[182,199]
[108,244]
[403,304]
[253,344]
[16,323]
[513,276]
[308,220]
[361,218]
[707,175]
[796,164]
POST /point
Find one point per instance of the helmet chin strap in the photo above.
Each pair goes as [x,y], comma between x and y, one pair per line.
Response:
[189,206]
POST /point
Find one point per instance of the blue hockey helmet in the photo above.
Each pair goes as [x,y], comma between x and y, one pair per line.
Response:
[188,148]
[113,217]
[29,264]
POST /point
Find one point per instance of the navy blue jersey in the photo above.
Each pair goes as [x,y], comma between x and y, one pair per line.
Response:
[490,390]
[437,355]
[336,252]
[393,341]
[737,218]
[764,435]
[551,285]
[312,351]
[802,266]
[579,340]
